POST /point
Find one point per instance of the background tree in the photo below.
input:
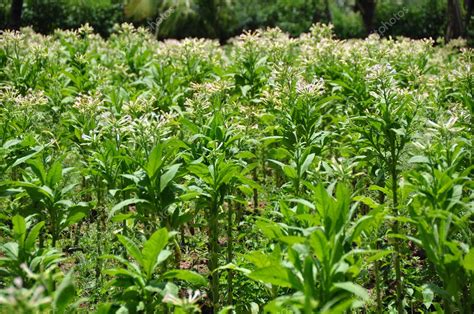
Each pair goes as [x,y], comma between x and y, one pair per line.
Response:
[469,5]
[455,23]
[367,10]
[15,14]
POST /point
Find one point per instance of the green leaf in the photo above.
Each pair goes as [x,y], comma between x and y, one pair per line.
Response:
[11,250]
[19,227]
[199,170]
[104,308]
[428,296]
[168,176]
[38,168]
[33,235]
[274,274]
[353,288]
[132,248]
[54,174]
[419,159]
[123,272]
[469,260]
[378,255]
[308,161]
[154,161]
[122,217]
[367,201]
[302,202]
[186,275]
[269,228]
[75,214]
[64,295]
[11,143]
[125,203]
[290,172]
[152,249]
[25,158]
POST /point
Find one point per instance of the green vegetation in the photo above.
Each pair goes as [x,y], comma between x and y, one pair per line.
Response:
[223,19]
[300,174]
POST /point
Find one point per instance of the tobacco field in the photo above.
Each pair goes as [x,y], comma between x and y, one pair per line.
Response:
[273,174]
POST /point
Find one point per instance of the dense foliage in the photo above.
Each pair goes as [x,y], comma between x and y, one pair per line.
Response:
[302,174]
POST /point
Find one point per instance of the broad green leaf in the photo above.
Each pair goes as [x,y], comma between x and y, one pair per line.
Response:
[353,288]
[307,163]
[64,295]
[163,256]
[378,255]
[270,229]
[122,217]
[168,176]
[302,202]
[367,201]
[38,168]
[274,274]
[104,308]
[124,203]
[290,240]
[132,248]
[276,162]
[155,160]
[11,143]
[19,227]
[54,174]
[419,159]
[323,201]
[185,275]
[123,272]
[318,242]
[200,170]
[75,214]
[428,296]
[25,158]
[33,235]
[152,249]
[290,172]
[10,249]
[469,260]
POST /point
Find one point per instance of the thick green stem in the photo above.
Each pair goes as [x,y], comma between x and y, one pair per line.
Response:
[378,289]
[398,273]
[230,274]
[98,265]
[213,258]
[255,192]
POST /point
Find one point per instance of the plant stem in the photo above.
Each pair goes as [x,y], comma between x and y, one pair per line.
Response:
[98,265]
[377,268]
[398,273]
[213,250]
[255,192]
[230,274]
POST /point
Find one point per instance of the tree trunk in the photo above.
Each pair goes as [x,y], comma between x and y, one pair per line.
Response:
[367,10]
[455,22]
[15,14]
[209,10]
[328,11]
[469,5]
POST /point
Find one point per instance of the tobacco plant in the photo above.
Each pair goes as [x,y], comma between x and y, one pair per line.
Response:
[135,285]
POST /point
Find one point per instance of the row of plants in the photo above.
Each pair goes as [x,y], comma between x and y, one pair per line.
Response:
[272,174]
